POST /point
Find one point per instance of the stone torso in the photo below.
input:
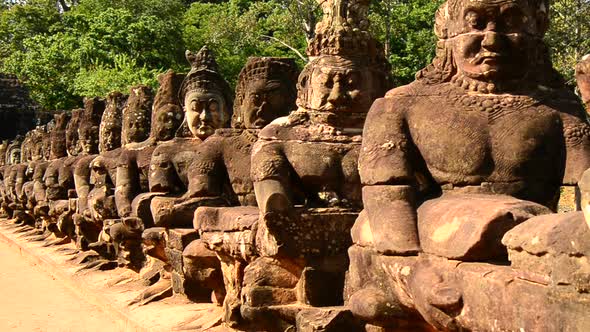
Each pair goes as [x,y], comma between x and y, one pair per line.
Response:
[321,160]
[511,144]
[170,164]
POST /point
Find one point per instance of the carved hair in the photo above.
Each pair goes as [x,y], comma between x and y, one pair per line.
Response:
[283,70]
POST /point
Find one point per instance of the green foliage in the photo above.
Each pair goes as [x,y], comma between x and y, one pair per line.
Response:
[100,45]
[411,42]
[262,28]
[568,35]
[63,57]
[100,79]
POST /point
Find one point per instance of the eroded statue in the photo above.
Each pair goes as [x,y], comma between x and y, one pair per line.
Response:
[266,90]
[304,169]
[480,142]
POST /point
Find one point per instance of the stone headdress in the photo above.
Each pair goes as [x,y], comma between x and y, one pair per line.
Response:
[112,120]
[138,108]
[72,138]
[204,76]
[90,121]
[283,70]
[343,35]
[448,25]
[14,147]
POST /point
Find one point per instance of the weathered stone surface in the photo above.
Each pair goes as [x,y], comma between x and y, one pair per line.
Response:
[327,320]
[471,227]
[17,110]
[213,219]
[557,246]
[175,259]
[179,238]
[583,79]
[481,141]
[240,245]
[584,186]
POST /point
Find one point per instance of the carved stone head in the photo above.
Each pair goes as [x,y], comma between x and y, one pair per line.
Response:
[49,127]
[167,113]
[14,151]
[348,69]
[266,90]
[89,126]
[137,114]
[72,141]
[109,137]
[205,96]
[491,44]
[58,144]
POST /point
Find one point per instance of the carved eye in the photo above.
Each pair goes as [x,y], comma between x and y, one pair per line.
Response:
[473,19]
[213,106]
[512,20]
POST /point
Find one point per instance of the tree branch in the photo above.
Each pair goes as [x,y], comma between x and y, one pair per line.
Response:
[286,45]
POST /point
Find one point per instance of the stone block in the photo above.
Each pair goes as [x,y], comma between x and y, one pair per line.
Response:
[470,227]
[179,238]
[321,288]
[226,219]
[175,259]
[334,319]
[555,245]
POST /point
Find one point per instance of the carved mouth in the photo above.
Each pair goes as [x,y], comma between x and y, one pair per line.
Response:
[489,58]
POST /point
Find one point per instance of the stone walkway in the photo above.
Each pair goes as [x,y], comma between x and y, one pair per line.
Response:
[31,300]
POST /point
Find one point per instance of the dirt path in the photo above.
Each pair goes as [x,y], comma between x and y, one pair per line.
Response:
[31,300]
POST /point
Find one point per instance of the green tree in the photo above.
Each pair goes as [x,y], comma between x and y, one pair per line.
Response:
[568,35]
[259,28]
[405,27]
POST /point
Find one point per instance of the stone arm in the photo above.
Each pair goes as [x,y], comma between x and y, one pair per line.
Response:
[162,177]
[21,179]
[128,185]
[50,179]
[577,142]
[389,187]
[82,182]
[270,172]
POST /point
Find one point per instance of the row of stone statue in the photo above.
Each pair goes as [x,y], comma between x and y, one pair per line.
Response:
[307,201]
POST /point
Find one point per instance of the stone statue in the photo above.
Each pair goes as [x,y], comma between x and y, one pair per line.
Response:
[480,142]
[207,103]
[132,176]
[95,175]
[304,168]
[79,171]
[133,164]
[13,155]
[266,90]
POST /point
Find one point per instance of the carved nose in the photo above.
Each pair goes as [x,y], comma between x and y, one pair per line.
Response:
[491,41]
[336,96]
[204,115]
